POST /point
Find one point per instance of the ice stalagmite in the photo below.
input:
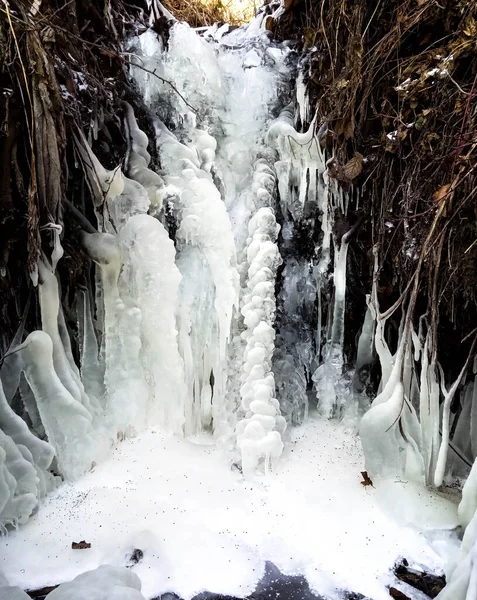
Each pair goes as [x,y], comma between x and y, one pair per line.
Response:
[390,433]
[36,451]
[444,446]
[151,276]
[24,461]
[10,592]
[67,422]
[259,433]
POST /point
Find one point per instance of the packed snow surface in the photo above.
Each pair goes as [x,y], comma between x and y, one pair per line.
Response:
[201,526]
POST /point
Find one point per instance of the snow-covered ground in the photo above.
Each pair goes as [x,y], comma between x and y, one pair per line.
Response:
[202,527]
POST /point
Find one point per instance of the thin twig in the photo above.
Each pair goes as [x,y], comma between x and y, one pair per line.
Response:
[163,80]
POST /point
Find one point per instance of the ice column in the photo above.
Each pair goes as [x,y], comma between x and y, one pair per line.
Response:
[210,280]
[151,275]
[259,433]
[330,390]
[67,422]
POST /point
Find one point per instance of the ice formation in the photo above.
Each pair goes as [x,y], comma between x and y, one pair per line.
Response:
[259,433]
[462,574]
[67,422]
[11,592]
[212,281]
[104,583]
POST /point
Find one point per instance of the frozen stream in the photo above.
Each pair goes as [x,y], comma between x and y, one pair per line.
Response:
[205,528]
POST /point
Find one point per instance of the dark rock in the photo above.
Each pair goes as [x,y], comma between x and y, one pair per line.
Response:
[275,585]
[427,583]
[41,593]
[397,595]
[83,545]
[136,556]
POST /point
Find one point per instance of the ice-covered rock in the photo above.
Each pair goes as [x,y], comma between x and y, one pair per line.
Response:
[104,583]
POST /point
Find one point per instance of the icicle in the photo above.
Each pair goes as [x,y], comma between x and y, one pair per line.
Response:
[302,98]
[384,354]
[442,456]
[58,251]
[92,370]
[105,185]
[328,376]
[301,157]
[139,159]
[124,377]
[364,357]
[429,408]
[461,440]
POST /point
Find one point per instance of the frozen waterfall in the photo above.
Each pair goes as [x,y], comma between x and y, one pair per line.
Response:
[216,310]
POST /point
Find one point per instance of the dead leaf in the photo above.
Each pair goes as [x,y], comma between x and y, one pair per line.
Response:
[339,127]
[470,28]
[70,86]
[342,83]
[310,36]
[83,545]
[48,35]
[366,479]
[269,23]
[353,167]
[441,193]
[349,129]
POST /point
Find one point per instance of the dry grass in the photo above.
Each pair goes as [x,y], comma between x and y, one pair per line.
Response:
[397,83]
[199,13]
